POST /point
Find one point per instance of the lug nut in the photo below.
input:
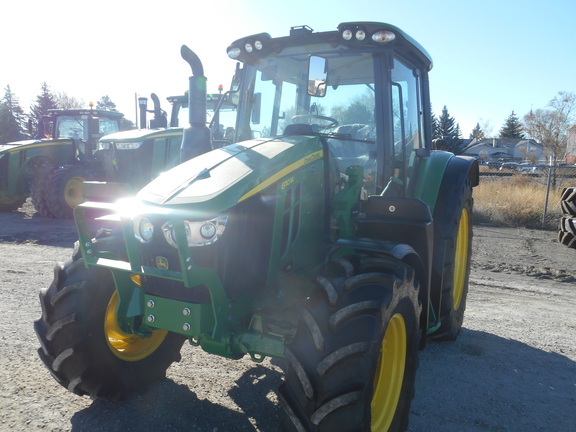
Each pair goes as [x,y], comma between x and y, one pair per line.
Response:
[186,327]
[151,318]
[151,304]
[186,312]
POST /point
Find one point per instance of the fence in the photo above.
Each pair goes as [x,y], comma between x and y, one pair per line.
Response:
[525,195]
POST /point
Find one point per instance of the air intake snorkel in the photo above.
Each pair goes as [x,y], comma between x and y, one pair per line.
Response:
[196,137]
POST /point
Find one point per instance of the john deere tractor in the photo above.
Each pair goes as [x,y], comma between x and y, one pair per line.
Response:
[328,234]
[129,160]
[65,137]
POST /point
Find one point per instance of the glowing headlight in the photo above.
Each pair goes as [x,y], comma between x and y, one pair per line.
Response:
[234,52]
[143,229]
[360,35]
[248,47]
[198,233]
[383,36]
[120,145]
[347,35]
[258,45]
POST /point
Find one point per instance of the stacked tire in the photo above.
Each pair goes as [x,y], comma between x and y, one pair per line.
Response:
[567,226]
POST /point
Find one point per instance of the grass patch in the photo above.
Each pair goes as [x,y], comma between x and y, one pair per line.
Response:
[515,201]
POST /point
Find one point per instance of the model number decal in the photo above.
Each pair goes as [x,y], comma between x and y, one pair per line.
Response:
[287,183]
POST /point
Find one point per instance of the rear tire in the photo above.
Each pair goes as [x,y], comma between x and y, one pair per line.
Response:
[352,363]
[567,239]
[453,243]
[65,189]
[568,201]
[82,345]
[567,231]
[568,225]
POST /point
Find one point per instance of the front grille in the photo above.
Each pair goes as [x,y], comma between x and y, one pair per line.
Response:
[240,257]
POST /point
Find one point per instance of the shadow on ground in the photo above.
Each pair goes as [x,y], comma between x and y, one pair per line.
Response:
[493,384]
[168,406]
[481,382]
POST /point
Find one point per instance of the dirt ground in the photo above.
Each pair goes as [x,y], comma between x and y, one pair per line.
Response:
[513,367]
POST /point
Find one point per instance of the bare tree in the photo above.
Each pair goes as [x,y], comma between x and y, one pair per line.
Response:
[549,126]
[66,101]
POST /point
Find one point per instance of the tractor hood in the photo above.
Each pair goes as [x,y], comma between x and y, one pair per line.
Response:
[223,177]
[22,145]
[137,134]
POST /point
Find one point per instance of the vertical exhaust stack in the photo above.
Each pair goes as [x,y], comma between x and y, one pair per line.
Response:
[196,138]
[159,120]
[143,106]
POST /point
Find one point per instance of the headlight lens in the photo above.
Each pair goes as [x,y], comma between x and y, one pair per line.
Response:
[234,52]
[143,229]
[198,233]
[120,145]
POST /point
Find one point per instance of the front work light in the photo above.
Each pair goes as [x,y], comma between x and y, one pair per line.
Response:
[198,233]
[143,229]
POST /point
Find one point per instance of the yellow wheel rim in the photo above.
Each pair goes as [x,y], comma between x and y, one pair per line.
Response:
[461,258]
[127,346]
[73,192]
[389,375]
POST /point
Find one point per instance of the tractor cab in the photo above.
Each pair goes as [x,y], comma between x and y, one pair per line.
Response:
[83,127]
[363,89]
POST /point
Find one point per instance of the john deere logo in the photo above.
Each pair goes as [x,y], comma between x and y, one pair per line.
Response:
[161,263]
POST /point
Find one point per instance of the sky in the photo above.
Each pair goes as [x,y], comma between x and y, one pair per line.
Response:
[490,57]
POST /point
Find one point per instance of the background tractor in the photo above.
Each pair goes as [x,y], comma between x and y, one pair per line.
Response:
[129,160]
[328,235]
[65,137]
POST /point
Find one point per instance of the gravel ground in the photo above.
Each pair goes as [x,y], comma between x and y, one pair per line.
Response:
[513,367]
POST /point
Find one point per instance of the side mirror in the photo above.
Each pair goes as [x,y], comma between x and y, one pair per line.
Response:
[317,74]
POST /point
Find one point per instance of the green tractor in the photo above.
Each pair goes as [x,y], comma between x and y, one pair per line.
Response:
[129,160]
[328,235]
[65,137]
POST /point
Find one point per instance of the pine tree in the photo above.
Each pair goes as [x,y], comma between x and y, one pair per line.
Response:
[435,126]
[457,133]
[477,132]
[44,101]
[512,128]
[106,104]
[448,136]
[12,118]
[447,128]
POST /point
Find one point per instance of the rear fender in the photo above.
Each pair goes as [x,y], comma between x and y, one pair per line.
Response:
[436,167]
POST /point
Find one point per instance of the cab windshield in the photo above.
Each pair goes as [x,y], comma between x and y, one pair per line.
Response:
[72,127]
[284,99]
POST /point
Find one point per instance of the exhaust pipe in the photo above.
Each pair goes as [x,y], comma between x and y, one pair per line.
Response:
[143,106]
[196,138]
[159,120]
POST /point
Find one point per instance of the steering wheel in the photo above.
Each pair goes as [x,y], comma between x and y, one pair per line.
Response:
[307,117]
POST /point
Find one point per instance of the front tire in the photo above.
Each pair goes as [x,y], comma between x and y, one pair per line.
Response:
[39,187]
[352,364]
[82,344]
[65,189]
